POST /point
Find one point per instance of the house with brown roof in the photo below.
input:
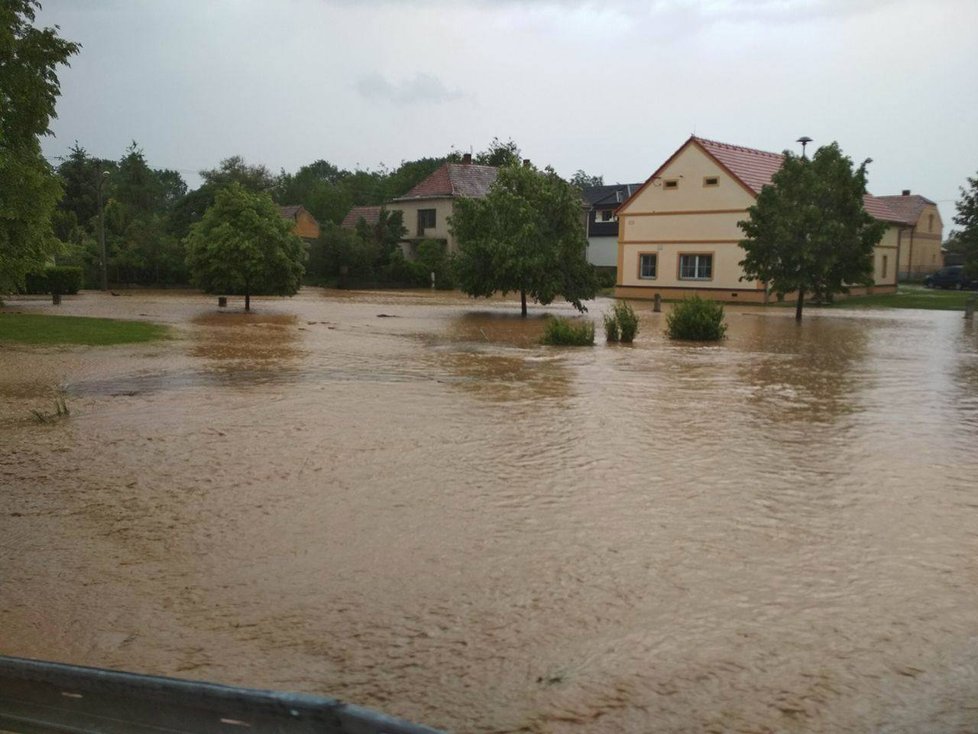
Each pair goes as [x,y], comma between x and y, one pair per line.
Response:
[427,207]
[919,231]
[304,224]
[678,233]
[369,214]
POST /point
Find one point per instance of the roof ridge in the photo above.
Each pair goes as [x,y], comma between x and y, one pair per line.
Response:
[732,146]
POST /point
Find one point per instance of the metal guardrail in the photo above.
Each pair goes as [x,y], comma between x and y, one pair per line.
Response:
[38,696]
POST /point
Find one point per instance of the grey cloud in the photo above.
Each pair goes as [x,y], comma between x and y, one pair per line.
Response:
[422,89]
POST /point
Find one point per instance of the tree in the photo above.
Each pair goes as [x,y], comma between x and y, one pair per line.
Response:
[526,235]
[29,189]
[966,239]
[808,231]
[583,180]
[500,154]
[243,246]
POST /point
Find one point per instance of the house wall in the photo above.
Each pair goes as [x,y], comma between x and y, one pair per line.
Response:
[441,230]
[920,246]
[306,225]
[690,219]
[602,251]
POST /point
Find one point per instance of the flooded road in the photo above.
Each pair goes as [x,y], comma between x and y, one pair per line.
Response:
[403,501]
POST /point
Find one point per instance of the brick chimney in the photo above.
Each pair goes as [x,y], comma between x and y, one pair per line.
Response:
[906,192]
[466,159]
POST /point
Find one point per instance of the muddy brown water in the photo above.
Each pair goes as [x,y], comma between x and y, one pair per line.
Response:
[430,514]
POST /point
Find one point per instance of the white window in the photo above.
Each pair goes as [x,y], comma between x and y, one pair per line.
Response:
[695,267]
[647,265]
[607,215]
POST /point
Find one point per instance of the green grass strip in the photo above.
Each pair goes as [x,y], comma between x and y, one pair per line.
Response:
[911,297]
[27,328]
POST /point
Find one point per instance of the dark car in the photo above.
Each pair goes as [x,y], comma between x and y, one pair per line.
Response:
[951,276]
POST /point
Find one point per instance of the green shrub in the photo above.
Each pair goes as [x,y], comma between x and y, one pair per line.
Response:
[621,324]
[696,319]
[566,333]
[612,332]
[606,276]
[60,279]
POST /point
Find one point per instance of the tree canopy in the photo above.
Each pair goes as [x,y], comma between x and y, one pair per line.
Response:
[242,245]
[583,180]
[808,232]
[29,88]
[966,239]
[525,236]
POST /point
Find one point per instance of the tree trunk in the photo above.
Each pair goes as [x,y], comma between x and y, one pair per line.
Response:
[523,301]
[248,302]
[800,304]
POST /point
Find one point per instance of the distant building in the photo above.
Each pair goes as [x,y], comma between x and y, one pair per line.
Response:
[678,232]
[370,214]
[427,207]
[304,223]
[602,222]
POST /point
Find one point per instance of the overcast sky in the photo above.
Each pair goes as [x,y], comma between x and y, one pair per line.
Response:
[610,87]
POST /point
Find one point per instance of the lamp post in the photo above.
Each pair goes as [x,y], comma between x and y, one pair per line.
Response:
[804,140]
[101,230]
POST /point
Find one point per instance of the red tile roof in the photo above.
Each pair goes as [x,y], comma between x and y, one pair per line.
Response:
[453,180]
[908,208]
[756,168]
[370,214]
[290,211]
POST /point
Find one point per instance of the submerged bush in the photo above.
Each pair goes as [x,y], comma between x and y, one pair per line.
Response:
[566,333]
[621,324]
[696,319]
[611,330]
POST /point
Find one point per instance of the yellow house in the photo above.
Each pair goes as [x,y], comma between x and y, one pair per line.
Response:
[919,234]
[304,223]
[427,207]
[678,232]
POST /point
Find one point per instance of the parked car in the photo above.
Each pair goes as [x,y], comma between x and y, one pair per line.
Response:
[951,276]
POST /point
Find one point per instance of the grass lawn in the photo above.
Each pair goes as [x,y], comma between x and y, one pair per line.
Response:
[31,328]
[911,296]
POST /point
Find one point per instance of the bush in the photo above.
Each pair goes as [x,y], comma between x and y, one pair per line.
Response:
[696,319]
[566,333]
[607,276]
[55,279]
[621,324]
[433,258]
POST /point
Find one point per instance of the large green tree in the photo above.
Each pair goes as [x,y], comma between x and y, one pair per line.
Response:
[525,236]
[29,189]
[808,232]
[243,246]
[966,238]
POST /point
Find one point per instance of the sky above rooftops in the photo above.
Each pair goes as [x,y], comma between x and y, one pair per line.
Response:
[611,87]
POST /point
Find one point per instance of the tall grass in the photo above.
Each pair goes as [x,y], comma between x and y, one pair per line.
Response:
[566,333]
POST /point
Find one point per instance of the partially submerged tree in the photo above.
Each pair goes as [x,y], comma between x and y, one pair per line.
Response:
[527,236]
[966,239]
[243,246]
[29,89]
[808,232]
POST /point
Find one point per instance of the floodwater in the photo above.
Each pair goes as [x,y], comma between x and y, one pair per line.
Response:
[403,501]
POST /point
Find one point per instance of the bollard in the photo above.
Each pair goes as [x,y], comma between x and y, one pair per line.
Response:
[56,299]
[969,308]
[657,303]
[222,301]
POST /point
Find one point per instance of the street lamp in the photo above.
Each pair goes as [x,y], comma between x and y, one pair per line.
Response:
[804,140]
[103,177]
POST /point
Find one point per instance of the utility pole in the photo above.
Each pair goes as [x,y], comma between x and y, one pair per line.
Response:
[101,231]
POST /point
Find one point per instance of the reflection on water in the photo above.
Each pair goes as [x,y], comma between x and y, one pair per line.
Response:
[432,514]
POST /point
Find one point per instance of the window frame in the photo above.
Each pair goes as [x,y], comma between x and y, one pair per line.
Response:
[711,182]
[655,265]
[670,184]
[697,255]
[422,220]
